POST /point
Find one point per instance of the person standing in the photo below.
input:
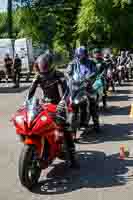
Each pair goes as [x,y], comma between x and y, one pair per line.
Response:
[8,66]
[17,64]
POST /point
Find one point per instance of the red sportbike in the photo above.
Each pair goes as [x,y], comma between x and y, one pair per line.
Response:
[43,140]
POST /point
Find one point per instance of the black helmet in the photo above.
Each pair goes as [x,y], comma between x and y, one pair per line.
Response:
[44,62]
[81,51]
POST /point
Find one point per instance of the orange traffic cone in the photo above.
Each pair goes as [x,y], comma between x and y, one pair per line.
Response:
[122,153]
[131,111]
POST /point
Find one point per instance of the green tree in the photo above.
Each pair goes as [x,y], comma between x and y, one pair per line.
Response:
[106,22]
[66,24]
[3,25]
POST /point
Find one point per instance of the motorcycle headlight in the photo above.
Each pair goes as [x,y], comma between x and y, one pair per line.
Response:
[19,119]
[76,101]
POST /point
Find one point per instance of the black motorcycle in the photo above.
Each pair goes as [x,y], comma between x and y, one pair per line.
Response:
[79,97]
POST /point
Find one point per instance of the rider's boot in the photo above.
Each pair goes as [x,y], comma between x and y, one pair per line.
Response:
[84,116]
[94,109]
[113,86]
[104,99]
[71,149]
[97,127]
[96,123]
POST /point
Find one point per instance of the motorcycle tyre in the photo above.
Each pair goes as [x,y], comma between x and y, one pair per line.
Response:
[24,159]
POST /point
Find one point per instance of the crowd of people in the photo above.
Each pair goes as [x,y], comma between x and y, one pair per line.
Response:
[83,68]
[57,86]
[13,66]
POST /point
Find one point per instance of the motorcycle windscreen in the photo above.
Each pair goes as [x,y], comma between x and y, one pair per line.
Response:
[33,109]
[31,115]
[76,87]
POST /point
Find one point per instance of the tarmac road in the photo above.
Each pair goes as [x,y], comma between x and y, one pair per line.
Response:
[102,176]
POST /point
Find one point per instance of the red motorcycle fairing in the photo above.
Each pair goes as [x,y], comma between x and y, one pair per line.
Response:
[43,140]
[41,124]
[44,122]
[39,142]
[42,128]
[49,107]
[52,107]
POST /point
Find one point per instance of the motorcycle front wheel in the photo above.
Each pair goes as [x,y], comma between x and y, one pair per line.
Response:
[29,169]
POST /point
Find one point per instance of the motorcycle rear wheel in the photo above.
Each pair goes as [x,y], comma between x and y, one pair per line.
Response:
[29,169]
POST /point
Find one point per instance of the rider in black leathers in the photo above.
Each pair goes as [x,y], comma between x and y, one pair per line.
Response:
[110,66]
[53,85]
[122,59]
[129,64]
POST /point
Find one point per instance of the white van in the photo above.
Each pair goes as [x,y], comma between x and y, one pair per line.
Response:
[6,46]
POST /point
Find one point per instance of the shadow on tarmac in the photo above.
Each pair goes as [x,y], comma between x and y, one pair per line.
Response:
[117,110]
[96,171]
[109,132]
[10,90]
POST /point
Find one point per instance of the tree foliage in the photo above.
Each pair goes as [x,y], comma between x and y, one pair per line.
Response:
[3,25]
[61,23]
[106,22]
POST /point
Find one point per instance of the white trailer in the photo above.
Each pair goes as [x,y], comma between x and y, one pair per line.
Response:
[23,47]
[6,46]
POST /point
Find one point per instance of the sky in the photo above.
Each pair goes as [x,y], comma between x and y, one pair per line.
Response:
[3,5]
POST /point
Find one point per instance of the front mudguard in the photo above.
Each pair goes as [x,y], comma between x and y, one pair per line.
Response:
[36,141]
